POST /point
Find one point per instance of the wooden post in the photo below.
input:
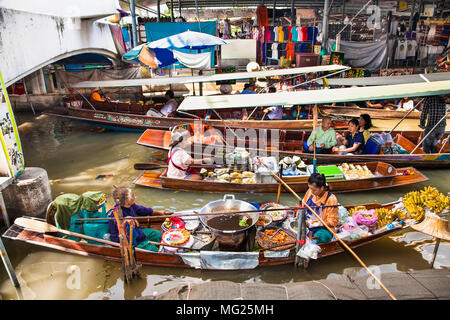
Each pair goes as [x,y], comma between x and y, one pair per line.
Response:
[273,18]
[3,209]
[292,13]
[301,235]
[438,241]
[171,10]
[8,265]
[158,10]
[280,174]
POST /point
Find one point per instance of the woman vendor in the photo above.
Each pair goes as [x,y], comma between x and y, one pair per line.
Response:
[365,123]
[179,161]
[125,198]
[317,197]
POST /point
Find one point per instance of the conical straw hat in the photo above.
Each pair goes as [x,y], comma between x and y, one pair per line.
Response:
[434,226]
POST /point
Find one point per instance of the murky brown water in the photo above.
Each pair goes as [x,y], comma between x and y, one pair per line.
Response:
[75,154]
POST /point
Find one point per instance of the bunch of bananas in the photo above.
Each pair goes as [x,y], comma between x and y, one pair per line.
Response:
[416,201]
[386,216]
[354,209]
[435,200]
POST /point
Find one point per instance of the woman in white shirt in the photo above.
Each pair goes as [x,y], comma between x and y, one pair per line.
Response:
[179,161]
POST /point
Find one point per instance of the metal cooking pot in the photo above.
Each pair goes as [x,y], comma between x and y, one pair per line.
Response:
[229,239]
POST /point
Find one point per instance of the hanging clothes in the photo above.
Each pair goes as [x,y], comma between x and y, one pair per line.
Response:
[272,34]
[294,34]
[267,34]
[303,34]
[290,48]
[280,34]
[290,32]
[411,48]
[200,61]
[277,35]
[262,16]
[274,50]
[400,52]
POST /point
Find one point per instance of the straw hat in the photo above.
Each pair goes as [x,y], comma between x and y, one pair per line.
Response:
[435,226]
[225,89]
[253,66]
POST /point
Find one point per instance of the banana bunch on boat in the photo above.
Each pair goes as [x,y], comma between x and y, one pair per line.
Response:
[416,202]
[387,216]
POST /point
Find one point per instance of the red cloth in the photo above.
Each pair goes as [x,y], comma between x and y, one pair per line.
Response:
[290,48]
[303,36]
[290,34]
[262,15]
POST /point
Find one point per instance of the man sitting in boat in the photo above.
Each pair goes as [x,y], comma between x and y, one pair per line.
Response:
[168,109]
[325,138]
[99,96]
[365,123]
[275,112]
[171,104]
[180,162]
[354,140]
[125,198]
[324,204]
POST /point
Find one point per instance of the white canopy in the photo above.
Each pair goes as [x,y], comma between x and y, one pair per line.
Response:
[206,78]
[315,96]
[379,81]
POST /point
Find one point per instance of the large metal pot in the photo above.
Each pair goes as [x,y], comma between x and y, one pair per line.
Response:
[229,239]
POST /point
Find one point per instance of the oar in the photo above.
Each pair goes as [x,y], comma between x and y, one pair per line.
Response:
[332,232]
[153,166]
[41,226]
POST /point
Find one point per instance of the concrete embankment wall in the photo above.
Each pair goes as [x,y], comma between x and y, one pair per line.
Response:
[414,285]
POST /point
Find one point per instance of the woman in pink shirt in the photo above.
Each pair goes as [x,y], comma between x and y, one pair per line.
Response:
[179,161]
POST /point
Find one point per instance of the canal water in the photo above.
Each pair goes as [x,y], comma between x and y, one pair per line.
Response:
[75,154]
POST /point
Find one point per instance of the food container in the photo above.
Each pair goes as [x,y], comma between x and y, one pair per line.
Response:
[277,216]
[229,240]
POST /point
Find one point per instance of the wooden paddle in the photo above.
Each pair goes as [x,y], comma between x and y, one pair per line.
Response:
[153,166]
[332,232]
[41,226]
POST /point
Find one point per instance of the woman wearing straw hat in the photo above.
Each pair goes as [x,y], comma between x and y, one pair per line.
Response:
[179,161]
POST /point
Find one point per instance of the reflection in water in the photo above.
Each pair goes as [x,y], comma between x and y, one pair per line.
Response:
[74,155]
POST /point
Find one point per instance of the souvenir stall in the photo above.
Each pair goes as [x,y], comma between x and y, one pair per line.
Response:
[278,44]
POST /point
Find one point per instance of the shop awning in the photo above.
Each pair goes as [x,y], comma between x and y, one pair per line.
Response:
[206,78]
[315,96]
[379,81]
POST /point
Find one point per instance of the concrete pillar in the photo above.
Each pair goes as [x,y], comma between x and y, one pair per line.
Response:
[274,6]
[29,194]
[325,24]
[133,23]
[171,11]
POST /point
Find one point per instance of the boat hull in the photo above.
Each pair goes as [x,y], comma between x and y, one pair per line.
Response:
[172,260]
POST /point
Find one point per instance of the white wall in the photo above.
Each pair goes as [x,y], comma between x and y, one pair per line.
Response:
[64,8]
[29,41]
[239,49]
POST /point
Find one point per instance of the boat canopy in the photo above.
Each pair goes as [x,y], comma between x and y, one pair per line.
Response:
[379,81]
[322,96]
[207,78]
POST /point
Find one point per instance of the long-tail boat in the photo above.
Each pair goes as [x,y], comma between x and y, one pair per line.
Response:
[171,259]
[132,116]
[384,176]
[290,143]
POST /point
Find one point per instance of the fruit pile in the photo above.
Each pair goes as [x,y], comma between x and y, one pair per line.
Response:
[386,216]
[416,202]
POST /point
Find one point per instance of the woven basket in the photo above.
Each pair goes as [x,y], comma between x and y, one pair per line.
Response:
[266,246]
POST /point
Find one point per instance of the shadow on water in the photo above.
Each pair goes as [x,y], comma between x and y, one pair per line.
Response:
[75,154]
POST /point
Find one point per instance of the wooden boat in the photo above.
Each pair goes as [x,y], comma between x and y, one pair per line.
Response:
[290,143]
[374,113]
[132,117]
[385,176]
[160,259]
